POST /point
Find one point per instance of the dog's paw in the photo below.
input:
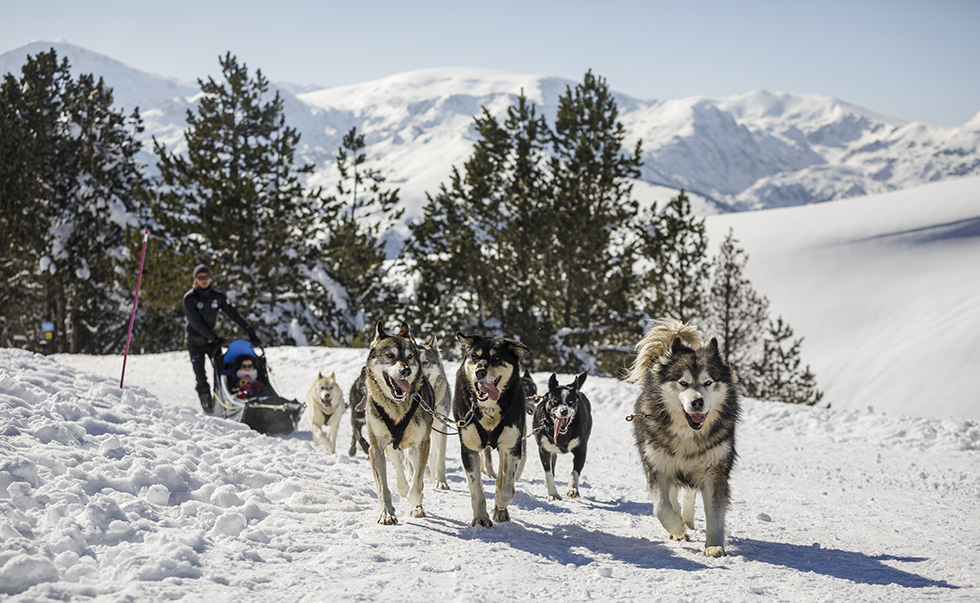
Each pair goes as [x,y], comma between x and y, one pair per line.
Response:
[553,497]
[482,521]
[572,493]
[500,515]
[387,519]
[418,511]
[683,537]
[441,486]
[714,551]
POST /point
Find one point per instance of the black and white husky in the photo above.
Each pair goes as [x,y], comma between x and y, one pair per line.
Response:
[562,424]
[489,407]
[433,370]
[396,420]
[684,421]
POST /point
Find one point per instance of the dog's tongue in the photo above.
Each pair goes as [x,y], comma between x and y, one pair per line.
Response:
[697,417]
[489,389]
[560,425]
[361,405]
[401,385]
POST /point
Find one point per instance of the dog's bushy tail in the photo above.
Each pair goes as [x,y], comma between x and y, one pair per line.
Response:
[656,344]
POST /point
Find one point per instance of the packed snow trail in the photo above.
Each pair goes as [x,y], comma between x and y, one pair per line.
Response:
[133,493]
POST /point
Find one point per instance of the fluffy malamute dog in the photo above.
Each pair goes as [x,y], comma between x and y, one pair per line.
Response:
[684,424]
[396,421]
[326,403]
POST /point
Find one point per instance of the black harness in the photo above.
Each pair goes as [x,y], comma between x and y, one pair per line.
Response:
[397,430]
[489,438]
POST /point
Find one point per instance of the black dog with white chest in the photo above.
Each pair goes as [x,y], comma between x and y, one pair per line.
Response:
[489,407]
[562,424]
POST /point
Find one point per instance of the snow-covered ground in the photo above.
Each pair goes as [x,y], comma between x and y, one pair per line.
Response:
[131,494]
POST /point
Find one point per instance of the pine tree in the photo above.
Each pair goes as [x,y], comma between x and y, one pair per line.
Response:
[357,293]
[675,247]
[735,313]
[29,170]
[236,202]
[780,377]
[78,191]
[592,258]
[480,246]
[531,240]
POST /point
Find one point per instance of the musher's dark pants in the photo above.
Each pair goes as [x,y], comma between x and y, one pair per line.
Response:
[198,354]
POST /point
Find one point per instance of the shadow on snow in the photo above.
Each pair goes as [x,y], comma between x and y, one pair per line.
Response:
[575,545]
[845,565]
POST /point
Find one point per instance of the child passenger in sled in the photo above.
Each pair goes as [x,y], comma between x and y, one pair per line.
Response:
[246,383]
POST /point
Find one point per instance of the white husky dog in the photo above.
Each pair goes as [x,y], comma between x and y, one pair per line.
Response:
[325,401]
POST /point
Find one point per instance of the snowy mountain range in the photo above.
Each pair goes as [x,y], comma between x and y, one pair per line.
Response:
[752,151]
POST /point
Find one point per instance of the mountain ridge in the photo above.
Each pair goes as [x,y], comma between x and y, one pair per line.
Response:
[755,150]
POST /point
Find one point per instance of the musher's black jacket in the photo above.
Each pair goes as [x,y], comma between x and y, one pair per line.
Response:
[201,307]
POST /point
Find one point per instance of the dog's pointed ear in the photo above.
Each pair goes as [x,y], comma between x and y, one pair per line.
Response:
[333,375]
[319,375]
[518,348]
[553,381]
[379,332]
[580,379]
[465,340]
[432,342]
[527,374]
[405,330]
[713,349]
[677,347]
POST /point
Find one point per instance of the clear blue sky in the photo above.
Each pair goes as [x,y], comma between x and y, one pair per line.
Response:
[917,60]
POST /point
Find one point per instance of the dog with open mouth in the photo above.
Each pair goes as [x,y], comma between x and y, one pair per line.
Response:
[397,424]
[488,406]
[684,423]
[562,425]
[325,401]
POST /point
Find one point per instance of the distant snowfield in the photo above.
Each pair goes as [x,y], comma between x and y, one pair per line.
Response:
[886,290]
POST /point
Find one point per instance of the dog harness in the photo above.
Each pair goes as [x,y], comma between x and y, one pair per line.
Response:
[397,430]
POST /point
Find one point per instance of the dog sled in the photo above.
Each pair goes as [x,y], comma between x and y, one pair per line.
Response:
[252,401]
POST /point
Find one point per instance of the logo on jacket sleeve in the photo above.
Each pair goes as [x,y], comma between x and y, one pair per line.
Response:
[200,305]
[214,304]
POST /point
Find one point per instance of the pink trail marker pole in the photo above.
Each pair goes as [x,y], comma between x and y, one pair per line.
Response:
[132,318]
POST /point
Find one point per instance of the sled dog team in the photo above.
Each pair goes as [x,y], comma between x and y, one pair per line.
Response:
[683,422]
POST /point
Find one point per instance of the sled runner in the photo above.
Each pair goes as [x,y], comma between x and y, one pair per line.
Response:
[254,403]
